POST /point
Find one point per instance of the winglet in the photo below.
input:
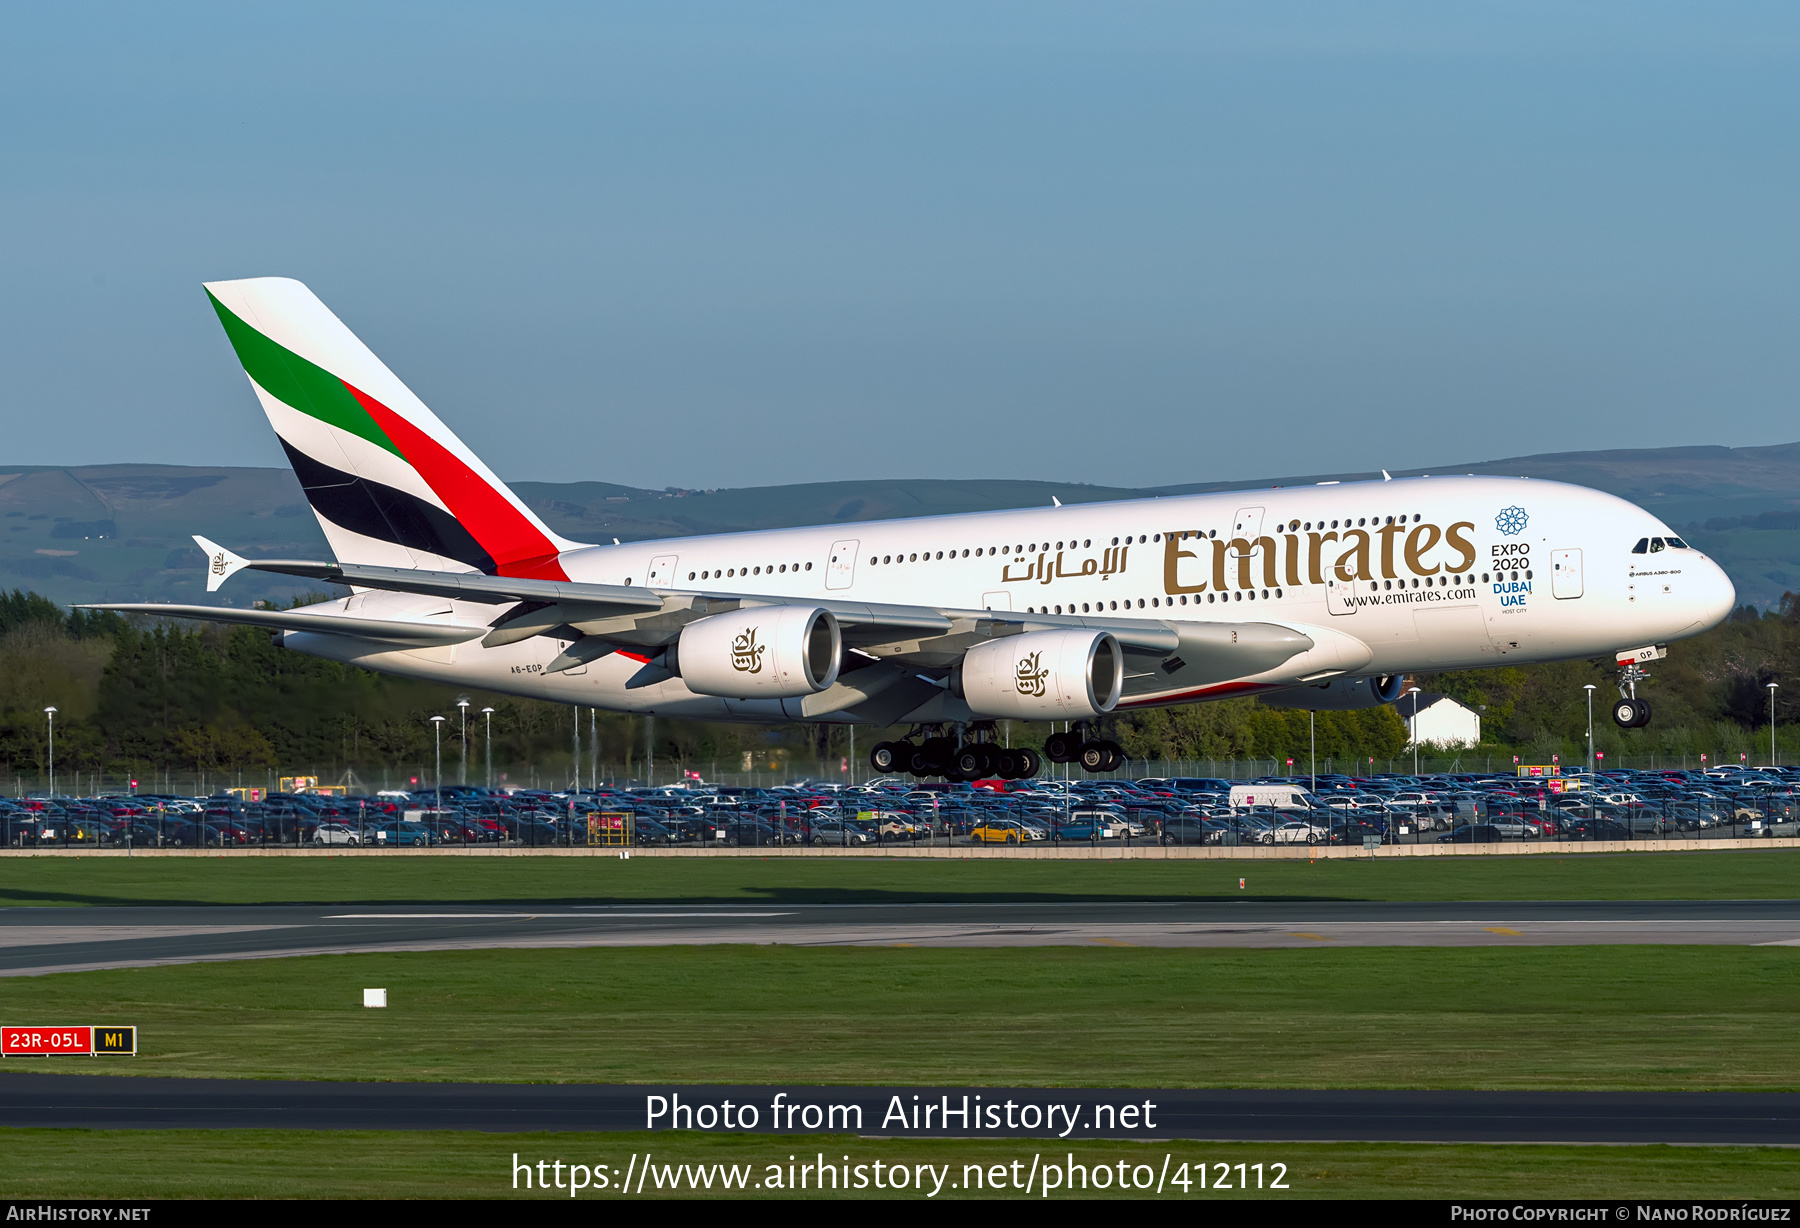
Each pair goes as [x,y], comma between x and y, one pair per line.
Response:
[1055,502]
[221,564]
[1386,476]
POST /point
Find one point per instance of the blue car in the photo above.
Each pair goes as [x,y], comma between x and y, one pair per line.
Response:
[399,835]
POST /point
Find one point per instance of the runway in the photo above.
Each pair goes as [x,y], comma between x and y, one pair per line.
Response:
[37,941]
[102,1102]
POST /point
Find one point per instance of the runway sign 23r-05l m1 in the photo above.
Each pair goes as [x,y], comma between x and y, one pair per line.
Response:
[85,1039]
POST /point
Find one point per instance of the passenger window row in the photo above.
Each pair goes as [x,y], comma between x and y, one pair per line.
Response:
[730,572]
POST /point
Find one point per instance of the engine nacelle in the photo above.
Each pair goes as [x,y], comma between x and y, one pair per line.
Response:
[1044,675]
[763,652]
[1341,694]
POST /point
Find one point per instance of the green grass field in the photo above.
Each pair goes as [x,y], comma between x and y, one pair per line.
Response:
[1539,1017]
[245,879]
[357,1164]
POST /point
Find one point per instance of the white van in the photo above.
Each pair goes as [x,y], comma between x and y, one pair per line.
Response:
[1281,797]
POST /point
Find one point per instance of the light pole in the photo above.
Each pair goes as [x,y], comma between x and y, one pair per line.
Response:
[437,743]
[50,717]
[1312,750]
[487,745]
[1414,692]
[1589,688]
[462,708]
[1773,761]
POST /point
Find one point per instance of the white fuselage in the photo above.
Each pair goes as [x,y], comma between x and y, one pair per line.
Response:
[1386,577]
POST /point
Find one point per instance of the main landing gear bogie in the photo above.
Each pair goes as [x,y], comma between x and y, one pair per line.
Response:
[970,759]
[977,757]
[1074,746]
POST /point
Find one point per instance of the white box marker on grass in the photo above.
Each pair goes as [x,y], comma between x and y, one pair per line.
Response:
[375,997]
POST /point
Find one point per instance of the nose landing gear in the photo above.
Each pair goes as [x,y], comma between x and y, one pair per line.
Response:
[1631,712]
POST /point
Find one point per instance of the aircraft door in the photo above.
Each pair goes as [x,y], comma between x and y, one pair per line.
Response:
[1340,595]
[840,572]
[662,571]
[1565,574]
[1001,600]
[1246,523]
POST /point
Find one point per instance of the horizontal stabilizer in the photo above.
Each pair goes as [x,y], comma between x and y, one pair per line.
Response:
[407,634]
[221,564]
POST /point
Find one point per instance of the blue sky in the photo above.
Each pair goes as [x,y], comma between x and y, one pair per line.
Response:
[731,245]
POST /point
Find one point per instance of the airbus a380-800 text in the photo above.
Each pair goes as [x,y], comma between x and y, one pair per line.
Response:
[1321,597]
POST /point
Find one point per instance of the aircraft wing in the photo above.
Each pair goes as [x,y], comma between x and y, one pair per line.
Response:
[607,617]
[543,605]
[407,634]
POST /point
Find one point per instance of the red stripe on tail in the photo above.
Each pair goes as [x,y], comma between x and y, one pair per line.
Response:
[518,548]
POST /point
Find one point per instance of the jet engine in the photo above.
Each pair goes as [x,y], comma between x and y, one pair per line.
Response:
[762,652]
[1341,694]
[1044,675]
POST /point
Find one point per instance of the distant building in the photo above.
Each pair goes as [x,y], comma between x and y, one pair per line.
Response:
[1441,721]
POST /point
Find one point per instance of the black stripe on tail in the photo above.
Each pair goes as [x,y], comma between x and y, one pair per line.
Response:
[384,513]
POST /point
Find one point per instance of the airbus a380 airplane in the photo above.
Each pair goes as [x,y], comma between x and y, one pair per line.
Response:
[1319,597]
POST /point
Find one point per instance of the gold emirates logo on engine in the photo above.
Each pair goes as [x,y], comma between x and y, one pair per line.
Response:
[746,653]
[1030,676]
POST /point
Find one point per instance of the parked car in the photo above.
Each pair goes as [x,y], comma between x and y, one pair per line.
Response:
[841,834]
[399,835]
[1596,829]
[1474,833]
[1512,826]
[1002,831]
[1293,833]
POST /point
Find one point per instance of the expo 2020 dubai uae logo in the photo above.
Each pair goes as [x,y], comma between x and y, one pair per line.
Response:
[1511,521]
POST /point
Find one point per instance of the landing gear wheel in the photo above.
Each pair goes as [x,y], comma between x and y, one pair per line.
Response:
[1030,763]
[1062,748]
[1643,713]
[935,757]
[1009,765]
[975,760]
[890,756]
[1101,756]
[1631,714]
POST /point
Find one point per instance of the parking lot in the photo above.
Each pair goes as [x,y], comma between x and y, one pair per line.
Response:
[1387,809]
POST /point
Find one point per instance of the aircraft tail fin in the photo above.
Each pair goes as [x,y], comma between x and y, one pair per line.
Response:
[390,483]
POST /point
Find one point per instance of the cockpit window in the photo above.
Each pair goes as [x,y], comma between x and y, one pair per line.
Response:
[1656,545]
[1676,542]
[1643,546]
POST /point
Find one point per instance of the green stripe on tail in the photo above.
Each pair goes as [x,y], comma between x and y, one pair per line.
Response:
[295,382]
